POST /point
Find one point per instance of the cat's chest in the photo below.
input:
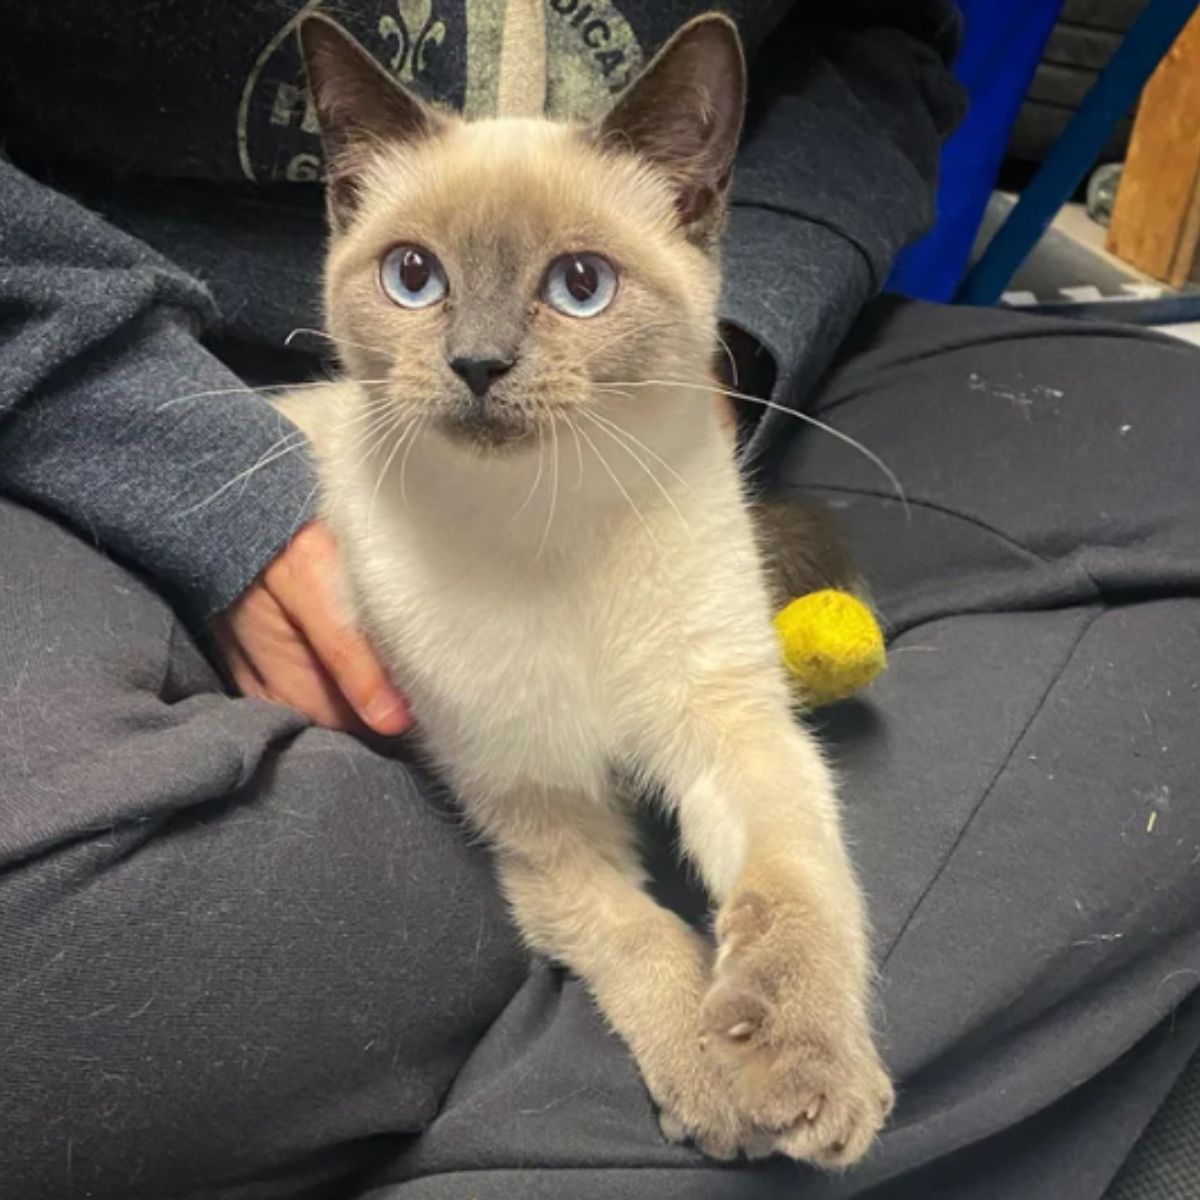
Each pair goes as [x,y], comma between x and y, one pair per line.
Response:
[518,675]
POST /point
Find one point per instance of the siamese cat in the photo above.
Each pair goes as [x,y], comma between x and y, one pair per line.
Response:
[545,534]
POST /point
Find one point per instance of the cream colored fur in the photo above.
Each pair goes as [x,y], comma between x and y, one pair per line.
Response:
[590,603]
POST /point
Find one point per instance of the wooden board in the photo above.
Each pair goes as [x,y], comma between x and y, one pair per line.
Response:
[1156,220]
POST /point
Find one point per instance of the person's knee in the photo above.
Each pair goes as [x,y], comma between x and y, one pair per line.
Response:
[300,964]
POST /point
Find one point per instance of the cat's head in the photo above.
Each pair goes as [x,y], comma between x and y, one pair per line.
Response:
[501,276]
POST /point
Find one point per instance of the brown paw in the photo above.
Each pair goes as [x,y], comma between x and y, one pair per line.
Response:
[712,1133]
[849,1108]
[695,1107]
[789,1033]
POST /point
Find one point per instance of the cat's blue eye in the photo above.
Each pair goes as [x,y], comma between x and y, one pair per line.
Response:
[580,285]
[412,277]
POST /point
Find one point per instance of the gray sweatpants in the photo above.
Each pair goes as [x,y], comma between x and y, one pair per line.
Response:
[245,958]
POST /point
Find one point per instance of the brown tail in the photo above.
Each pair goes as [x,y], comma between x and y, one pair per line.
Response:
[803,549]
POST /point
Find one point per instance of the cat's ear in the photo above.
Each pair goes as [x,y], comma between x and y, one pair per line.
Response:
[359,107]
[684,113]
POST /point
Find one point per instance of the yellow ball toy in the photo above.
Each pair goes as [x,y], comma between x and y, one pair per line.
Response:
[832,645]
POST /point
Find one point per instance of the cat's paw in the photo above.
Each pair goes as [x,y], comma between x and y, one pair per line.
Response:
[795,1049]
[695,1107]
[810,1095]
[715,1133]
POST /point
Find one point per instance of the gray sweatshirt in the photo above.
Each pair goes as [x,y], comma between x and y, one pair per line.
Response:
[163,227]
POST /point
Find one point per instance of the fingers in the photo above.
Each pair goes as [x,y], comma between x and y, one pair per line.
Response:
[286,639]
[241,671]
[302,580]
[305,685]
[269,658]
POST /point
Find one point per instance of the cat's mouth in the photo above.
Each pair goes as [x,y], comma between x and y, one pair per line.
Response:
[488,429]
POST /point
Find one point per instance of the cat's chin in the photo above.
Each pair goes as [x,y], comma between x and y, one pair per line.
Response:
[487,434]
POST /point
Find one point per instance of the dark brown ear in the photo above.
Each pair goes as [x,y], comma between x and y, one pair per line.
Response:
[359,106]
[684,113]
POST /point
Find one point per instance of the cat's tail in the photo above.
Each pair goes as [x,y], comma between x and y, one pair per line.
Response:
[522,87]
[831,640]
[803,549]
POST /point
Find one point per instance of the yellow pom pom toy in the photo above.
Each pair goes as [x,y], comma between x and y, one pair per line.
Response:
[832,645]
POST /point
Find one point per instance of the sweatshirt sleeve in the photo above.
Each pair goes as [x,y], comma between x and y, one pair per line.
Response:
[850,100]
[114,417]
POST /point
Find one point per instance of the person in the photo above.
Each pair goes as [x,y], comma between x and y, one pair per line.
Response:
[246,947]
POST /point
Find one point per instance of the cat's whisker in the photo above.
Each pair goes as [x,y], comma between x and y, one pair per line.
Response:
[371,405]
[364,418]
[302,329]
[715,388]
[371,439]
[384,419]
[553,488]
[584,359]
[378,425]
[387,463]
[244,390]
[648,327]
[294,439]
[312,495]
[637,512]
[658,483]
[336,341]
[536,479]
[366,414]
[733,371]
[578,449]
[637,441]
[272,454]
[378,437]
[247,390]
[422,421]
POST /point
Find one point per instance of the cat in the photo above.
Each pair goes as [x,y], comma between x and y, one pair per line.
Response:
[545,533]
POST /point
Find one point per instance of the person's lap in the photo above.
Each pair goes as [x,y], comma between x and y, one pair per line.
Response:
[234,949]
[237,955]
[1024,800]
[1018,786]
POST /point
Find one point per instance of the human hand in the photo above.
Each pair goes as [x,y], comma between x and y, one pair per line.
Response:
[286,638]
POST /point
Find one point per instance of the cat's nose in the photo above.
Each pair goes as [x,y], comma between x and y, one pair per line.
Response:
[479,373]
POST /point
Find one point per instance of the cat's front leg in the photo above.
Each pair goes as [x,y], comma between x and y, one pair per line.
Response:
[569,867]
[786,1016]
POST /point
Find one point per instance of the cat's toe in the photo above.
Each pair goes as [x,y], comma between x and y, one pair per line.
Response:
[815,1101]
[840,1128]
[713,1133]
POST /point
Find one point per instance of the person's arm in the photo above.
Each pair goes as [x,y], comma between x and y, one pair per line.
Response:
[850,100]
[115,418]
